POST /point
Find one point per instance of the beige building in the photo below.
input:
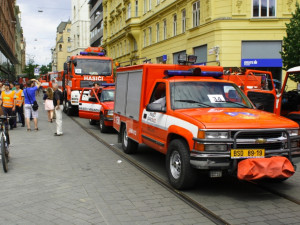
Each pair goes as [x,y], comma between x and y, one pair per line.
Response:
[230,33]
[62,48]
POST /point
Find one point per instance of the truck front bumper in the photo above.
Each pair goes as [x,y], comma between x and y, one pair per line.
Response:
[209,160]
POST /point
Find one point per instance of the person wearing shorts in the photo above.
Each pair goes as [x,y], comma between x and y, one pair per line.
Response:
[29,97]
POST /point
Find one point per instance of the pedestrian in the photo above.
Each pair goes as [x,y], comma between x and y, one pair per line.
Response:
[19,105]
[49,107]
[1,87]
[58,104]
[12,86]
[29,96]
[7,100]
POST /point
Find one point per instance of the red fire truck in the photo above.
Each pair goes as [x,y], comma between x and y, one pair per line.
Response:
[56,77]
[187,113]
[82,71]
[44,79]
[97,104]
[260,88]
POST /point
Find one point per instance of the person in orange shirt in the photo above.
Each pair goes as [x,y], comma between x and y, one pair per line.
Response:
[7,100]
[19,104]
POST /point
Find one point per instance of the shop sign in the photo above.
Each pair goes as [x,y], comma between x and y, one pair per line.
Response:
[261,62]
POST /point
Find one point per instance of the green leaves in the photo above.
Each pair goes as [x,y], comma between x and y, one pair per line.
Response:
[291,44]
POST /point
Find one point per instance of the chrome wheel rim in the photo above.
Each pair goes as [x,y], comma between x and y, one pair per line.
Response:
[175,164]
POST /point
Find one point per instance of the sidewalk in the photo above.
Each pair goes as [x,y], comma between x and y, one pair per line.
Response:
[74,179]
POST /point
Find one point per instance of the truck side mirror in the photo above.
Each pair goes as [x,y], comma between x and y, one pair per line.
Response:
[155,107]
[93,99]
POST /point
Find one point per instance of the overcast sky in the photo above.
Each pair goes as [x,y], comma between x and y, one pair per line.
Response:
[40,27]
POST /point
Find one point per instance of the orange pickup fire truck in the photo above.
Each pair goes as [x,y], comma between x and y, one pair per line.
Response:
[82,71]
[97,105]
[186,112]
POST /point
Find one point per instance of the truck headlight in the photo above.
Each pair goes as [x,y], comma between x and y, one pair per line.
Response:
[293,132]
[215,148]
[216,135]
[110,112]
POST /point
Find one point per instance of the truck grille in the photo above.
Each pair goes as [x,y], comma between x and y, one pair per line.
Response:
[267,146]
[256,135]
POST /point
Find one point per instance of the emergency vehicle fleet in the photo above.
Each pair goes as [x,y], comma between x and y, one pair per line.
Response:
[188,113]
[97,105]
[82,71]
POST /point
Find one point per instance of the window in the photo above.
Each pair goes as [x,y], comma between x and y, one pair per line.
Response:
[69,48]
[145,6]
[129,11]
[150,35]
[136,8]
[157,32]
[196,14]
[145,38]
[150,5]
[183,21]
[165,29]
[157,2]
[125,47]
[159,94]
[264,8]
[175,25]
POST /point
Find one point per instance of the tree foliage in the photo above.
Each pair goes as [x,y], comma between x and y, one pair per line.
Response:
[291,44]
[45,69]
[29,69]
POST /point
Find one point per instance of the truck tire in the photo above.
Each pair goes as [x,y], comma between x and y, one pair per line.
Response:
[103,128]
[69,109]
[128,145]
[92,122]
[180,173]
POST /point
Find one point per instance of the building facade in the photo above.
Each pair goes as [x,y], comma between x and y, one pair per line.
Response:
[8,58]
[62,49]
[19,44]
[96,28]
[80,26]
[230,33]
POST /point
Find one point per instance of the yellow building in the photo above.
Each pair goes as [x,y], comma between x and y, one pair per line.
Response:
[62,49]
[230,33]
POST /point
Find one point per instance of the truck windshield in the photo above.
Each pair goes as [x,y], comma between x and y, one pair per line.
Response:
[107,96]
[207,94]
[93,67]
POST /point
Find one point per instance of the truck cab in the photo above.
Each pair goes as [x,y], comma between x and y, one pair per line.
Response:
[96,104]
[198,120]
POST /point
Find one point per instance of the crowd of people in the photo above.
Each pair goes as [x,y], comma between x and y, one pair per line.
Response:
[20,102]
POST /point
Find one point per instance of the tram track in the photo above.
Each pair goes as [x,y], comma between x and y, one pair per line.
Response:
[194,204]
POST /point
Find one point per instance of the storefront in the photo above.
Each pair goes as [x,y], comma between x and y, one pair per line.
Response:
[263,55]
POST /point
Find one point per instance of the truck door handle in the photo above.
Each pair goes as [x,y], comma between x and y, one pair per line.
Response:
[131,117]
[119,112]
[80,103]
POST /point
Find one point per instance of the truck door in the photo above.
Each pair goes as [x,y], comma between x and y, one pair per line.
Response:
[89,105]
[154,131]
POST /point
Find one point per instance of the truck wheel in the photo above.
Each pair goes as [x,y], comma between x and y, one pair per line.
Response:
[180,173]
[65,107]
[92,122]
[69,109]
[103,128]
[129,146]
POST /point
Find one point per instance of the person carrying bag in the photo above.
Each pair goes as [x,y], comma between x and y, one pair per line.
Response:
[31,106]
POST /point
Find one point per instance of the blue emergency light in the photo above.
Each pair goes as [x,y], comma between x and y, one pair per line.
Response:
[193,72]
[108,84]
[93,53]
